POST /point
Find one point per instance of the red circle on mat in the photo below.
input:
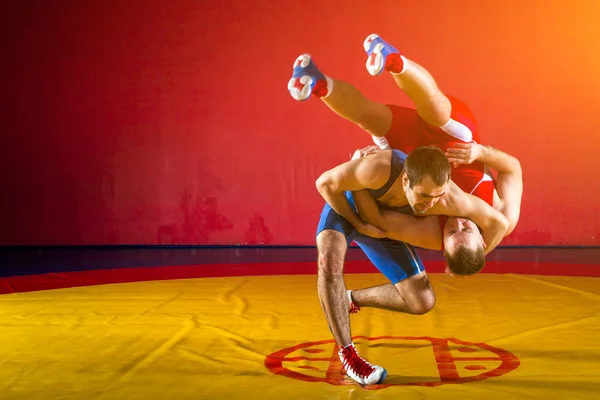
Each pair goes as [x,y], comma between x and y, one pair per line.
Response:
[445,361]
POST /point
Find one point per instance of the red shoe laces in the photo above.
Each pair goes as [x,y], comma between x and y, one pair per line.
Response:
[356,362]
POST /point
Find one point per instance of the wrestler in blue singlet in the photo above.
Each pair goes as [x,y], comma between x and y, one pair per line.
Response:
[395,259]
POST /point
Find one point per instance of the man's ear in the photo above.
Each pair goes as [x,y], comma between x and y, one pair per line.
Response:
[405,180]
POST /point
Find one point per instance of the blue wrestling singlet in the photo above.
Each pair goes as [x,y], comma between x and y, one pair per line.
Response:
[396,260]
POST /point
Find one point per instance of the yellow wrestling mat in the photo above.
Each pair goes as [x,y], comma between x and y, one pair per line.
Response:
[264,337]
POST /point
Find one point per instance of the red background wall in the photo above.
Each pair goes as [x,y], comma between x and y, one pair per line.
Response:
[169,122]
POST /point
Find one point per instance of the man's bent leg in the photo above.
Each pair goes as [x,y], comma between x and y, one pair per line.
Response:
[413,295]
[409,290]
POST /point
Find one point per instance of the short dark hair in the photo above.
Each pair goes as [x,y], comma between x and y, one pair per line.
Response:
[465,260]
[427,161]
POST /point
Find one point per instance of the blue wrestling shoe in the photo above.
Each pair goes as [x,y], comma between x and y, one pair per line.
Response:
[307,79]
[382,56]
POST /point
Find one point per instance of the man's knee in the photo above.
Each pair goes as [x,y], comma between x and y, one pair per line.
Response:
[436,110]
[423,304]
[331,248]
[417,294]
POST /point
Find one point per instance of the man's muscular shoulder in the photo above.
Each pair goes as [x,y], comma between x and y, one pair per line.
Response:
[380,163]
[383,157]
[374,170]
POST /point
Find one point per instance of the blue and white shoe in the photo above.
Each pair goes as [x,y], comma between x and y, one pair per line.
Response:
[378,51]
[306,79]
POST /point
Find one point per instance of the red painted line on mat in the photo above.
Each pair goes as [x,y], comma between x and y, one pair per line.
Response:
[444,360]
[293,359]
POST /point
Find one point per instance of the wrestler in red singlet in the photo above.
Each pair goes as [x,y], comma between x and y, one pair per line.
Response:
[409,131]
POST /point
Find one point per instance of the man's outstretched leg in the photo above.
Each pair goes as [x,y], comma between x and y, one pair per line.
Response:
[332,247]
[432,105]
[333,235]
[341,97]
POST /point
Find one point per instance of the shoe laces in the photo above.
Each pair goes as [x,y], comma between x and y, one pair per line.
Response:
[355,362]
[354,308]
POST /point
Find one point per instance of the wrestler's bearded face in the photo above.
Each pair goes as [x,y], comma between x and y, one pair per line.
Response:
[424,195]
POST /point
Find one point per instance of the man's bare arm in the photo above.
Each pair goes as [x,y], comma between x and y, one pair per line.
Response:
[363,173]
[509,184]
[492,222]
[423,232]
